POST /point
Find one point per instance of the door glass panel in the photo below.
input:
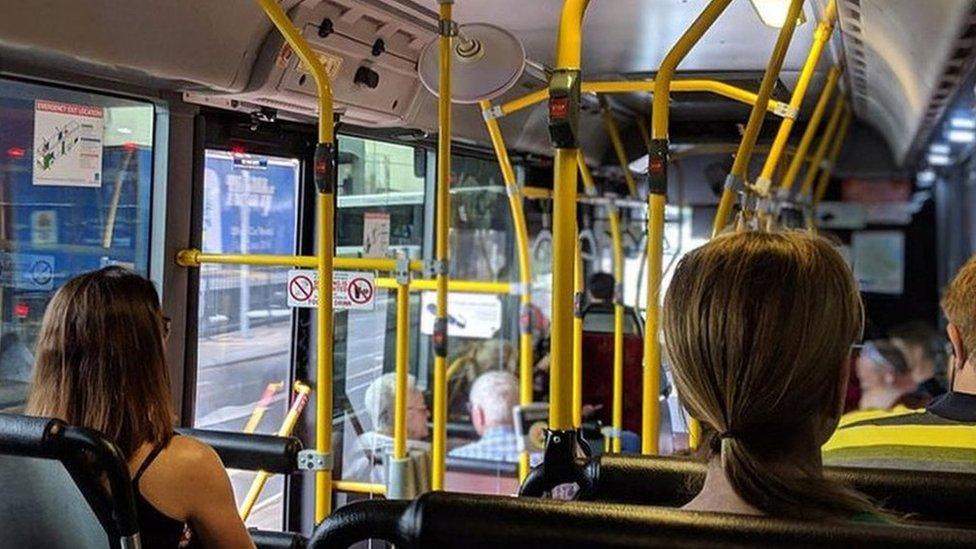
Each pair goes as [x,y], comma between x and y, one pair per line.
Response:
[75,186]
[244,341]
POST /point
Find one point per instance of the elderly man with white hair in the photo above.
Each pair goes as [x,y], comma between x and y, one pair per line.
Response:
[376,445]
[492,397]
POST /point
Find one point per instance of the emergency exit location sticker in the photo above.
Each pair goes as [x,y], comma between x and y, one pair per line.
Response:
[350,290]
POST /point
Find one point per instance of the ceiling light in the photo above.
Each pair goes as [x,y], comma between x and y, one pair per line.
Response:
[961,136]
[963,123]
[773,12]
[939,148]
[939,159]
[925,179]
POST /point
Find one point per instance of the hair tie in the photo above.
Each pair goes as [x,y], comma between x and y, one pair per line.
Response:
[727,435]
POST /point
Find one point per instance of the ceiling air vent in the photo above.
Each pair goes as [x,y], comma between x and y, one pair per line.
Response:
[961,62]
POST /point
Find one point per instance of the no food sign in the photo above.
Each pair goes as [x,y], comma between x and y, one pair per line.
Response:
[350,290]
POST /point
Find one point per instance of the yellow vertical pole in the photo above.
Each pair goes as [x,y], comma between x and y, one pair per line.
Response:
[835,149]
[800,156]
[657,169]
[563,118]
[578,292]
[325,172]
[439,447]
[526,358]
[402,368]
[820,38]
[740,167]
[617,399]
[829,138]
[618,144]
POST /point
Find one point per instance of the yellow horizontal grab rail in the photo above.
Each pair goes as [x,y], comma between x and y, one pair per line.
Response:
[632,86]
[196,258]
[455,286]
[359,488]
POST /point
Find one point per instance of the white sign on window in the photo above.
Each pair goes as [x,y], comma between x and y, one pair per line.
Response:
[376,234]
[476,316]
[68,144]
[350,290]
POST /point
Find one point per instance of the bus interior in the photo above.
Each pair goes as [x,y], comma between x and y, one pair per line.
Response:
[462,170]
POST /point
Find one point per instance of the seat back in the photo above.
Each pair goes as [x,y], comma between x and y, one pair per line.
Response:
[598,377]
[671,482]
[37,485]
[446,520]
[43,507]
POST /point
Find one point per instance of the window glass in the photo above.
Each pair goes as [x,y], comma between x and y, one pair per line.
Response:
[75,188]
[244,345]
[382,189]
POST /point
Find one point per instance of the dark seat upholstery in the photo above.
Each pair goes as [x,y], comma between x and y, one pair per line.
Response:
[671,482]
[445,520]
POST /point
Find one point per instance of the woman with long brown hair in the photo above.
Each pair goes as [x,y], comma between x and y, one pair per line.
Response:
[100,364]
[758,328]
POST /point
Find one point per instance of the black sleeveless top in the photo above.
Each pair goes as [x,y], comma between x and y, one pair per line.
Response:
[157,530]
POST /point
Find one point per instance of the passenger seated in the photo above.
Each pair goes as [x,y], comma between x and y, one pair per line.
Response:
[376,445]
[493,396]
[100,364]
[942,437]
[758,328]
[921,345]
[598,313]
[886,381]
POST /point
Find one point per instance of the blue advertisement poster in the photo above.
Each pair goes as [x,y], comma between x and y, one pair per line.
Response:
[249,203]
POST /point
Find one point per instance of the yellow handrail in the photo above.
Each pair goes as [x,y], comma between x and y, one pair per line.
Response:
[617,399]
[402,370]
[828,139]
[453,286]
[634,86]
[618,144]
[443,214]
[812,126]
[359,488]
[302,392]
[835,149]
[526,357]
[740,166]
[820,38]
[324,170]
[657,199]
[564,239]
[196,258]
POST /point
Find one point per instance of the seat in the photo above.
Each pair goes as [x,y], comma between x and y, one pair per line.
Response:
[53,493]
[446,520]
[925,496]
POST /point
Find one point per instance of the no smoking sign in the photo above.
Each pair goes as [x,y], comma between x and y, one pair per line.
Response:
[350,290]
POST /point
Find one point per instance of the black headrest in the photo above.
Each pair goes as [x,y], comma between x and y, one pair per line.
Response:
[673,481]
[446,520]
[251,452]
[29,436]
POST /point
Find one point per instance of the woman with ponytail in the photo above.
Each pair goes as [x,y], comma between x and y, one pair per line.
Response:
[758,328]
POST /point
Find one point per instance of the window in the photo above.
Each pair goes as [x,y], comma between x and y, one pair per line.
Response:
[244,338]
[382,187]
[75,188]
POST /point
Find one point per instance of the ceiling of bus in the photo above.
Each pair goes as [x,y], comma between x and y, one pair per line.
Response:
[897,49]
